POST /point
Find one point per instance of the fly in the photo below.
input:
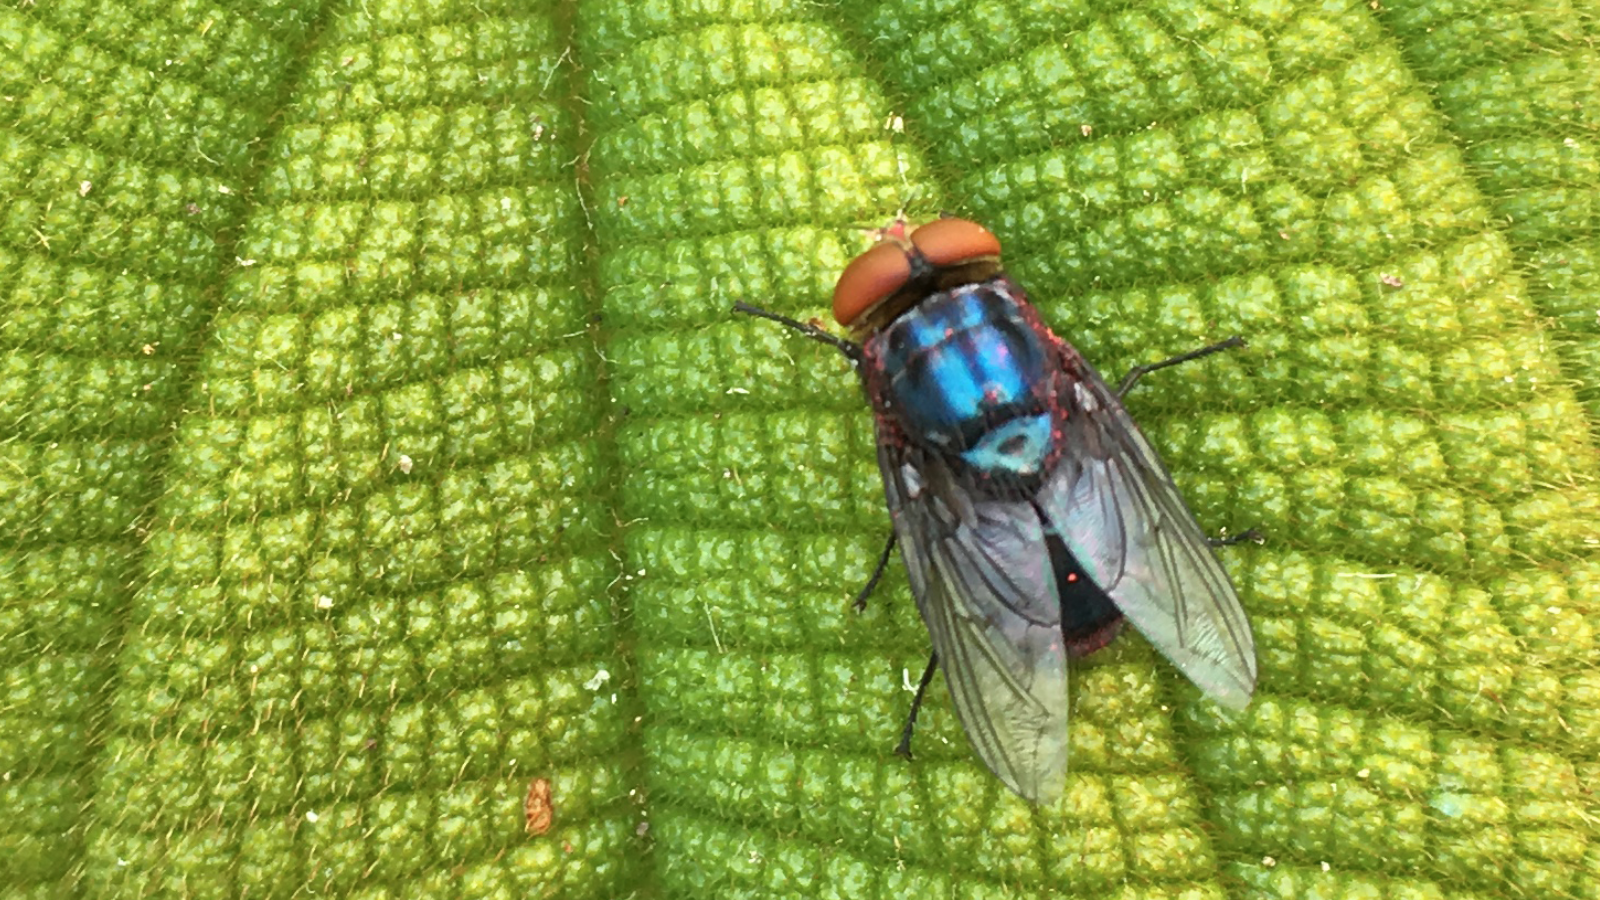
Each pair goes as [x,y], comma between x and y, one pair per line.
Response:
[1033,516]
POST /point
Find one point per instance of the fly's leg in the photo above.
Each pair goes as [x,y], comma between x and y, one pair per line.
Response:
[1249,534]
[1138,372]
[850,349]
[877,574]
[904,749]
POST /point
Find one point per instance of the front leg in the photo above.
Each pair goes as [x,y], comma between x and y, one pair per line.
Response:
[1138,372]
[850,349]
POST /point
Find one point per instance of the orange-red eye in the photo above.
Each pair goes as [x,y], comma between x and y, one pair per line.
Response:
[875,275]
[870,277]
[949,242]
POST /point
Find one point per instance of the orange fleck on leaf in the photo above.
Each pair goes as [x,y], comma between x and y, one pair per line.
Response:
[537,808]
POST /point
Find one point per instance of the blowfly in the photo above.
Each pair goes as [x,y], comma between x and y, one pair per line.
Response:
[1033,517]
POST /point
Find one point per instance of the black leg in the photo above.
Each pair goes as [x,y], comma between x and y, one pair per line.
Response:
[916,703]
[851,350]
[1249,534]
[1138,372]
[877,573]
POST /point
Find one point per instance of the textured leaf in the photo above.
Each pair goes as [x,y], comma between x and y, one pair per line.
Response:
[375,439]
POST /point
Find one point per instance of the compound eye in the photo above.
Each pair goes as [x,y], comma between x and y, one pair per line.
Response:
[868,280]
[950,242]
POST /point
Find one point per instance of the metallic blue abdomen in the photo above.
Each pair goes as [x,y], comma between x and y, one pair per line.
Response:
[966,372]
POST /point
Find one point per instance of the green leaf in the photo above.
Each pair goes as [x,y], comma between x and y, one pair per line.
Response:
[377,439]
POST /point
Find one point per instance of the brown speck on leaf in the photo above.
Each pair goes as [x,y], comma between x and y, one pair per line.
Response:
[566,846]
[537,808]
[1393,281]
[192,209]
[622,201]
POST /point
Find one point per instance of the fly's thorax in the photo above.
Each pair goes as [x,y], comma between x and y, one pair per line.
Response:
[969,373]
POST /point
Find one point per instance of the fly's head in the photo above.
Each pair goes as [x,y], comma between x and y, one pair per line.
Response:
[905,267]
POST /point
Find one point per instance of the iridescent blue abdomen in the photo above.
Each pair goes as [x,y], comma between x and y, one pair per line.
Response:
[967,372]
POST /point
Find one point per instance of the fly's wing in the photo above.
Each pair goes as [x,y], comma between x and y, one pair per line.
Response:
[1119,513]
[983,582]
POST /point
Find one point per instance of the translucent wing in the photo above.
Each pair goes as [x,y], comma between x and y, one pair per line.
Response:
[984,584]
[1119,513]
